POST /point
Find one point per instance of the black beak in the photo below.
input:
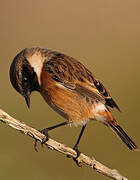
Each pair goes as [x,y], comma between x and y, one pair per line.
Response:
[27,99]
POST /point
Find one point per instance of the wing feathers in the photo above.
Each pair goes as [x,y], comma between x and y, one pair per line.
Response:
[109,100]
[73,75]
[92,94]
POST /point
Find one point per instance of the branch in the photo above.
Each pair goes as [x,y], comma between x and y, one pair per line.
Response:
[54,145]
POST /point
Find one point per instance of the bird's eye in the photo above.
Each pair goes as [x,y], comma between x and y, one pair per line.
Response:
[25,79]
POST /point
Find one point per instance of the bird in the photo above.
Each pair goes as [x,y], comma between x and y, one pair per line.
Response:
[68,87]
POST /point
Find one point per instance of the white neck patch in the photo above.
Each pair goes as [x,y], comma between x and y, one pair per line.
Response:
[36,61]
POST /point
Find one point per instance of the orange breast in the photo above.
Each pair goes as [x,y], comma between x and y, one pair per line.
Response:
[66,102]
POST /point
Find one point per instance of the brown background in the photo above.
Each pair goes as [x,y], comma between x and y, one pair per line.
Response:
[105,36]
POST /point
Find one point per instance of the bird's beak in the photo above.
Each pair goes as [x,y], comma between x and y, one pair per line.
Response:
[27,99]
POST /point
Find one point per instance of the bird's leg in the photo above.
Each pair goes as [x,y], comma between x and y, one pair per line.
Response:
[76,145]
[45,132]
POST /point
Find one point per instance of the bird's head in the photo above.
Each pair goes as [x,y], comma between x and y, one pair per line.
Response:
[23,76]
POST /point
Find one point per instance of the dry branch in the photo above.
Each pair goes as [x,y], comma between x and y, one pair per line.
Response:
[54,145]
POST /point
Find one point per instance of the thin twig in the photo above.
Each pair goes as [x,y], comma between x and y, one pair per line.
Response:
[54,145]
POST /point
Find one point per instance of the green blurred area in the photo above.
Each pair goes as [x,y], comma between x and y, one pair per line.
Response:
[105,36]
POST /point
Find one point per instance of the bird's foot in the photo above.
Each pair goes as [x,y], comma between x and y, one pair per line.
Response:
[78,154]
[75,148]
[45,132]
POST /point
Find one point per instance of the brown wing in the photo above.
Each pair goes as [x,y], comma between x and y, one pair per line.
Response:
[74,75]
[109,101]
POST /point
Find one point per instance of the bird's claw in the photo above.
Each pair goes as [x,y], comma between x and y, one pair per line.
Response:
[35,145]
[75,158]
[44,140]
[78,154]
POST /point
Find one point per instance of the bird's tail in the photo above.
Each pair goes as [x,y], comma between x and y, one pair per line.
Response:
[121,133]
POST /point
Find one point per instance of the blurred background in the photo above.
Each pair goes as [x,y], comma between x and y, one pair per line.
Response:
[105,36]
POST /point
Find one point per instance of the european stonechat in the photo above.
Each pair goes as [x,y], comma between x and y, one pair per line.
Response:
[68,87]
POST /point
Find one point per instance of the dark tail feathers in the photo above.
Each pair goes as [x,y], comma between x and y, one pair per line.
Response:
[123,136]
